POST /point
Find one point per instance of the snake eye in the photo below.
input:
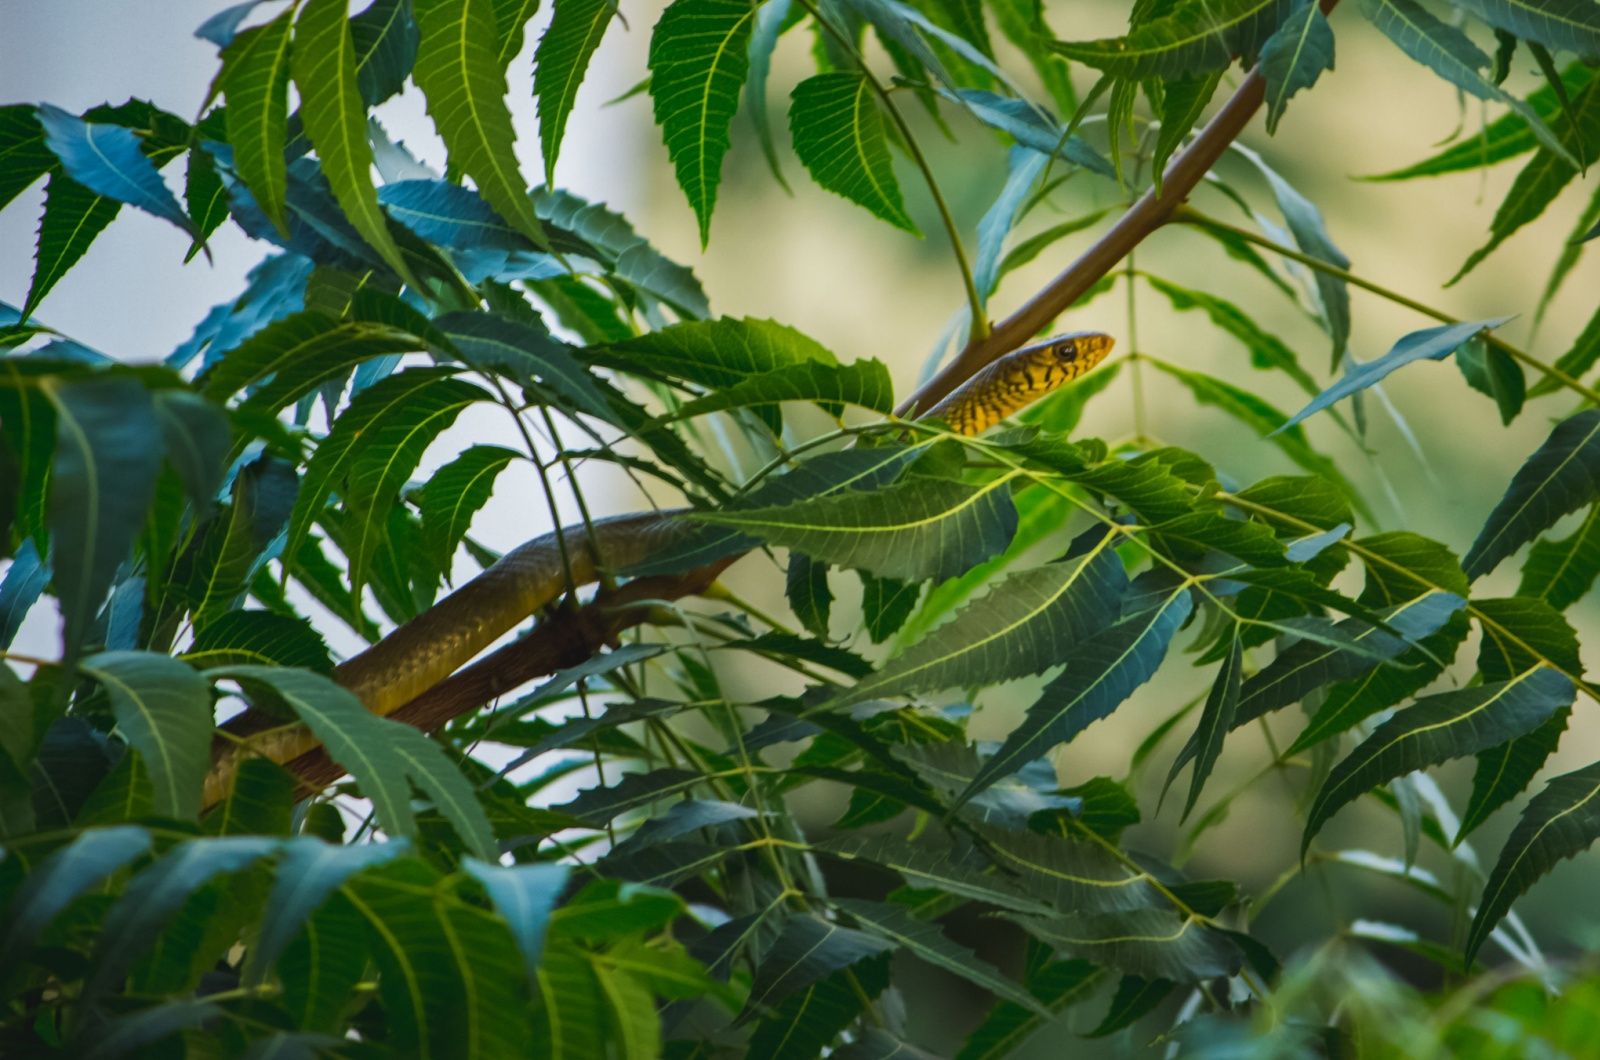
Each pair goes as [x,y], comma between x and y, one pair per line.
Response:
[1067,351]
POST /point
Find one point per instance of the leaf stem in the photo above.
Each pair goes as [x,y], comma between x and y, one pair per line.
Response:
[1189,215]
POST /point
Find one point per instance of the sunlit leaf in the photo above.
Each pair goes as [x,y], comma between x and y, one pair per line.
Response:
[575,31]
[839,137]
[255,80]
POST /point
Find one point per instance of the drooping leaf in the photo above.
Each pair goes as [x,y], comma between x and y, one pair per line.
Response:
[1448,52]
[839,137]
[809,596]
[1559,822]
[928,943]
[108,161]
[1560,477]
[1294,57]
[808,949]
[24,158]
[1183,102]
[163,710]
[459,72]
[1135,999]
[292,357]
[1021,627]
[1504,772]
[1428,344]
[1216,719]
[1490,370]
[1561,572]
[1149,943]
[1266,350]
[60,878]
[334,117]
[73,218]
[1102,671]
[699,56]
[1025,169]
[218,566]
[1560,25]
[524,895]
[1073,874]
[864,384]
[455,493]
[511,19]
[197,440]
[806,1022]
[929,865]
[1520,633]
[1546,173]
[772,19]
[108,452]
[255,80]
[1438,728]
[922,528]
[1031,126]
[575,31]
[1577,361]
[1197,36]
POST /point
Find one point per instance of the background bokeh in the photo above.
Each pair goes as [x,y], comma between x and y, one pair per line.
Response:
[826,267]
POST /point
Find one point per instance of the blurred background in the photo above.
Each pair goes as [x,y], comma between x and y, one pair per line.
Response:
[825,266]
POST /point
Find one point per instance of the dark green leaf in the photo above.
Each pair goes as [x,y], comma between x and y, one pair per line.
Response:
[1490,370]
[1561,572]
[1192,37]
[699,56]
[576,29]
[808,950]
[886,604]
[60,878]
[163,710]
[24,158]
[1183,101]
[935,865]
[197,439]
[1216,720]
[1561,25]
[1562,476]
[1504,772]
[1438,728]
[1057,986]
[839,137]
[807,590]
[73,217]
[454,495]
[864,384]
[1135,999]
[459,72]
[1294,57]
[1149,943]
[308,872]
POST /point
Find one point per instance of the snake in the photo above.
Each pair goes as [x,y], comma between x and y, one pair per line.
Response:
[424,651]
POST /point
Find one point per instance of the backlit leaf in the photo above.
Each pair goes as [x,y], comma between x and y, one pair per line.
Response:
[838,134]
[575,31]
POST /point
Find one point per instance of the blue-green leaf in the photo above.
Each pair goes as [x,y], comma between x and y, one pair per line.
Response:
[1025,170]
[1216,720]
[1294,57]
[1562,476]
[198,438]
[163,710]
[1561,572]
[107,160]
[1031,126]
[60,878]
[524,895]
[1149,943]
[1195,36]
[699,56]
[1428,344]
[1561,25]
[1438,728]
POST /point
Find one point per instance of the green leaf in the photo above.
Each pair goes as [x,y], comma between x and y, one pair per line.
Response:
[1449,53]
[806,588]
[308,872]
[449,974]
[459,73]
[1135,999]
[1505,137]
[197,437]
[60,878]
[1102,671]
[455,493]
[73,217]
[1561,25]
[1490,370]
[24,158]
[1057,986]
[714,353]
[1559,822]
[806,1022]
[1561,572]
[1432,344]
[864,384]
[335,118]
[1031,126]
[163,710]
[381,754]
[1504,772]
[637,262]
[108,161]
[1267,351]
[1294,57]
[1024,169]
[1021,627]
[772,19]
[699,56]
[1542,179]
[809,949]
[524,895]
[255,80]
[1562,476]
[921,528]
[157,894]
[511,19]
[1196,36]
[292,357]
[576,29]
[108,452]
[385,38]
[257,800]
[878,1044]
[1183,102]
[1216,720]
[1072,874]
[1149,943]
[213,572]
[838,135]
[934,865]
[1577,361]
[1438,728]
[928,943]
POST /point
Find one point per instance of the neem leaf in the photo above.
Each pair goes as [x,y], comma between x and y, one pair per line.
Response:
[838,134]
[809,949]
[108,161]
[1561,476]
[699,56]
[255,80]
[1563,25]
[1192,37]
[1149,943]
[1561,572]
[576,29]
[163,710]
[73,217]
[1294,57]
[864,384]
[60,878]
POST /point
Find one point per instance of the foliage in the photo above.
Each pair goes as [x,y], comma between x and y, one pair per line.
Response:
[212,845]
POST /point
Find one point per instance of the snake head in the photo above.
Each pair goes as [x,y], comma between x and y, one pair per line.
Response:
[1081,350]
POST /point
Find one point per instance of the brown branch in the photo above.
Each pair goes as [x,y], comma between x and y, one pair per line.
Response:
[566,640]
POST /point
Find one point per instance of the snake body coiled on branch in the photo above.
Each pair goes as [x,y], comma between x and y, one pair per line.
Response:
[432,646]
